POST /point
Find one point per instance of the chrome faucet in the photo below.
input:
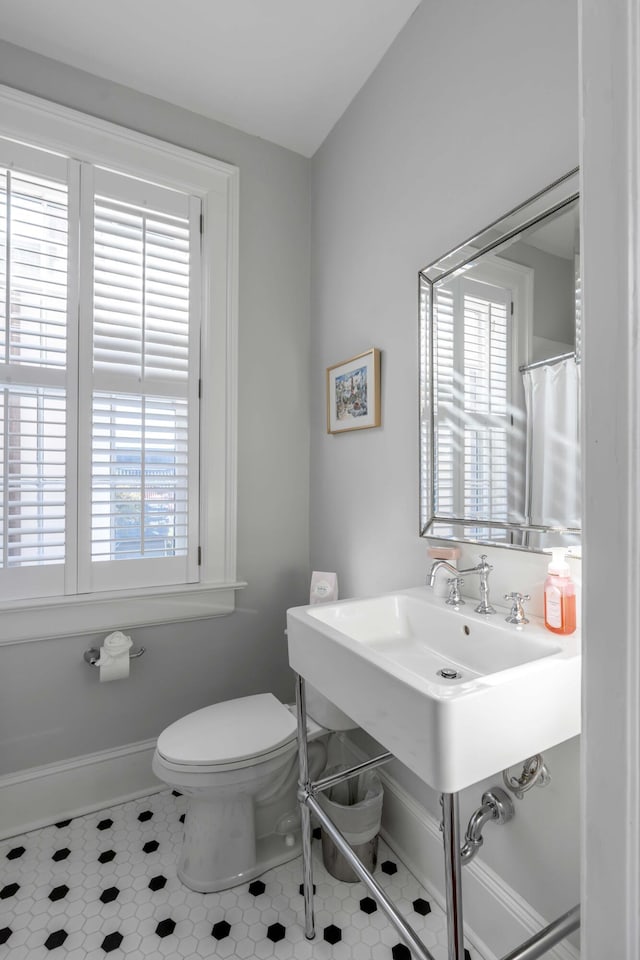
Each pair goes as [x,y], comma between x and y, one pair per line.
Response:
[483,569]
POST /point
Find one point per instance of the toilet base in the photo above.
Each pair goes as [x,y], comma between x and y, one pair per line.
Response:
[242,818]
[231,835]
[271,851]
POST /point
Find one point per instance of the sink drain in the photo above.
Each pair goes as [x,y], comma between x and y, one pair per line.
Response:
[448,673]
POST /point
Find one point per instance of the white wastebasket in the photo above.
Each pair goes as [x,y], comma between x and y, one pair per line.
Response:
[355,807]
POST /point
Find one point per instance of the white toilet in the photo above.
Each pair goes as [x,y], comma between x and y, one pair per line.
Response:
[237,763]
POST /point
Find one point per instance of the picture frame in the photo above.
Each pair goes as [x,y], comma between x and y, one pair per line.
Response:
[353,393]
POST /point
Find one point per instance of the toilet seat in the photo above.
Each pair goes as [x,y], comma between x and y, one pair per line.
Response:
[227,735]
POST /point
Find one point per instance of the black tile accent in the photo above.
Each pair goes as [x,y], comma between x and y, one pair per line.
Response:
[332,934]
[107,856]
[421,906]
[176,793]
[276,932]
[105,824]
[112,941]
[400,952]
[56,939]
[182,818]
[59,892]
[109,895]
[63,823]
[61,854]
[157,883]
[5,933]
[368,905]
[165,928]
[467,955]
[150,846]
[15,853]
[256,887]
[145,815]
[9,891]
[317,833]
[389,867]
[221,929]
[301,889]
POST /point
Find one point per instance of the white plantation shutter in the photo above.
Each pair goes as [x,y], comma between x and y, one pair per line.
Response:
[34,269]
[99,367]
[472,352]
[447,446]
[486,388]
[33,481]
[34,253]
[141,293]
[143,461]
[140,477]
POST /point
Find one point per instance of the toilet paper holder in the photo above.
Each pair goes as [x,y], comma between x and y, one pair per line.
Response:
[92,655]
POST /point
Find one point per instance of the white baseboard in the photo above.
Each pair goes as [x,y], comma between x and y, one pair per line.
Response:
[497,919]
[58,791]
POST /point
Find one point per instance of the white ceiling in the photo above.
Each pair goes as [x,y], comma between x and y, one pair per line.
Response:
[285,70]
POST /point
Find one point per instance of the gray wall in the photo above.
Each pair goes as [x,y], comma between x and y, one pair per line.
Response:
[51,705]
[554,303]
[473,109]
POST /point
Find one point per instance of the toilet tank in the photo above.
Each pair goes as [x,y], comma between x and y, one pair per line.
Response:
[326,713]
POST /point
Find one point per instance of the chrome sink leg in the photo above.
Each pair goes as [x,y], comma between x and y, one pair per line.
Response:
[453,875]
[305,813]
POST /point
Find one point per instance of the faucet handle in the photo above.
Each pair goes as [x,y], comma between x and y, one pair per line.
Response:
[454,599]
[517,610]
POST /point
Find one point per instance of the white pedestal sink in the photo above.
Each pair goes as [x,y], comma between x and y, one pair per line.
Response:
[515,693]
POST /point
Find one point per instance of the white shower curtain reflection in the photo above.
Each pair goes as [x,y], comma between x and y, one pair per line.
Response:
[552,394]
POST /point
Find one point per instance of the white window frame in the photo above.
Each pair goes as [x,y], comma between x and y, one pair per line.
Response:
[55,128]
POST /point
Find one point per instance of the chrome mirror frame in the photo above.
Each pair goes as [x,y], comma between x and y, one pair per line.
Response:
[552,199]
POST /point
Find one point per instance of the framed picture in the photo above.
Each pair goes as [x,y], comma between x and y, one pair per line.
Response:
[353,393]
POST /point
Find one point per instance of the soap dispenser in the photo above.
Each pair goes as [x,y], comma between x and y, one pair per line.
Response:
[559,595]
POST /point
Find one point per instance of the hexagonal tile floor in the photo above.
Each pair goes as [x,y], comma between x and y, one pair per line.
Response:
[105,886]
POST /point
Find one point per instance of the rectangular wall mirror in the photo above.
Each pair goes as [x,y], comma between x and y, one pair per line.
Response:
[500,380]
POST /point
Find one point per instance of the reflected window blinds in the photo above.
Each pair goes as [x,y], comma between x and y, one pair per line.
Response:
[472,363]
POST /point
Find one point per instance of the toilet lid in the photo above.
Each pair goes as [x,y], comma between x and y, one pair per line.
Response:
[229,731]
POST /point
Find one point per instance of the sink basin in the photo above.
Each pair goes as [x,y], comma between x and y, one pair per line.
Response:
[507,692]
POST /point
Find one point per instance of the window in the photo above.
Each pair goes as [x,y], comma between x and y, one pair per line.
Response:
[117,268]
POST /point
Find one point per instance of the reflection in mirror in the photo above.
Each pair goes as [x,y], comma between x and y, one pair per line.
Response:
[500,380]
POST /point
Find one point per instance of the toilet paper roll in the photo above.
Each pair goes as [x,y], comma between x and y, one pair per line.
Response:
[116,668]
[114,659]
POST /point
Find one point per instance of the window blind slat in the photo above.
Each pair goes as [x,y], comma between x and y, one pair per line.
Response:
[141,292]
[32,475]
[34,250]
[139,477]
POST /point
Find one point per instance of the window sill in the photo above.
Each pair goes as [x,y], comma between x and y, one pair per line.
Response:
[68,616]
